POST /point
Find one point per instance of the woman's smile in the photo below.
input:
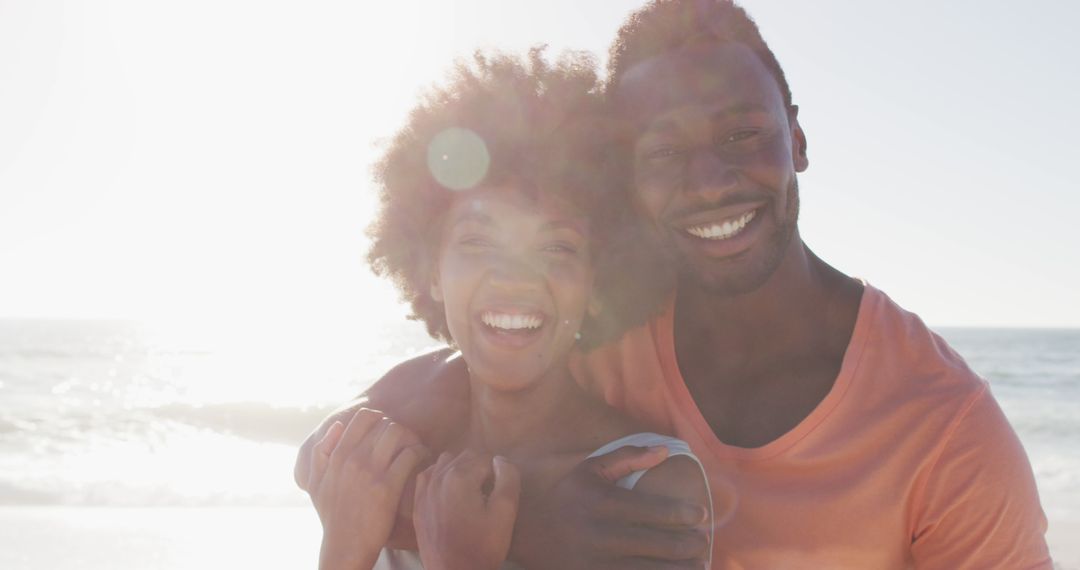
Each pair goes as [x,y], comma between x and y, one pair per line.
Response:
[512,328]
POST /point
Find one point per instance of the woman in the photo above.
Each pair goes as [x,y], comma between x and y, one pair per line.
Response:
[499,224]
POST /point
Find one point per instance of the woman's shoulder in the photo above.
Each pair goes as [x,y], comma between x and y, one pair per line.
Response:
[605,424]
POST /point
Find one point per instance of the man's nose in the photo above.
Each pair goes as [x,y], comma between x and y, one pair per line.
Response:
[710,175]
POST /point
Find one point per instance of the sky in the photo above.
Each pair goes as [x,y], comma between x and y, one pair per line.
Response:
[208,161]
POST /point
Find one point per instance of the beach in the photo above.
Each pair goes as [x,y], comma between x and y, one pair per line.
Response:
[112,538]
[1063,545]
[174,538]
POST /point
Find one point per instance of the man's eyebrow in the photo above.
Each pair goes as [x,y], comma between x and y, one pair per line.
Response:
[671,124]
[741,108]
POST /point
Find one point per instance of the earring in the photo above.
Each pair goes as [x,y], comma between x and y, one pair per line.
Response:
[577,336]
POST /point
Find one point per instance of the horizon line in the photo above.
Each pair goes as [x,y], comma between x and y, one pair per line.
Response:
[166,321]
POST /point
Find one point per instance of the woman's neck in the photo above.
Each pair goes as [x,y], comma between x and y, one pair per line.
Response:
[539,419]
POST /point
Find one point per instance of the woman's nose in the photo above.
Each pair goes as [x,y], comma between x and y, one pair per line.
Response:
[516,271]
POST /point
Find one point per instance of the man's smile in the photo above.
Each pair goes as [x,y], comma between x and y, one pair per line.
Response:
[720,232]
[722,229]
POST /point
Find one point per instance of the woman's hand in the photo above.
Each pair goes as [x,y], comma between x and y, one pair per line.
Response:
[459,524]
[358,472]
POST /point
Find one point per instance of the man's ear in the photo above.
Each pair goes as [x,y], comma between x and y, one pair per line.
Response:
[798,141]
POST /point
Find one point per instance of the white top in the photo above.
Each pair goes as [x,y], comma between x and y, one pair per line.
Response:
[409,560]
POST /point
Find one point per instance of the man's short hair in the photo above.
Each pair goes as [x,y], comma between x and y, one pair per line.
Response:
[665,25]
[537,127]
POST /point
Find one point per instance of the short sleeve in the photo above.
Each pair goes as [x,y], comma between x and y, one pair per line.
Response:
[979,507]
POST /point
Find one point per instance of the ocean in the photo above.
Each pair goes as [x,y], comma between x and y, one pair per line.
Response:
[96,413]
[126,420]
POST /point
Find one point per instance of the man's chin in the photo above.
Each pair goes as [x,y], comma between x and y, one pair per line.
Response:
[724,282]
[738,275]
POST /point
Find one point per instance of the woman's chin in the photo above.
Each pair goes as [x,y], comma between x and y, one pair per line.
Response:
[508,380]
[515,370]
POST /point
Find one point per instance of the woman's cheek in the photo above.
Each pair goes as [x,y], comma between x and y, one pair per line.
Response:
[458,266]
[566,271]
[573,278]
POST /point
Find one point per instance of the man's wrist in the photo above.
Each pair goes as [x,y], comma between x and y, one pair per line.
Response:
[466,562]
[343,554]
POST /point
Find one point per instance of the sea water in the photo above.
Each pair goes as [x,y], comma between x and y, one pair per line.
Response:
[128,414]
[1035,376]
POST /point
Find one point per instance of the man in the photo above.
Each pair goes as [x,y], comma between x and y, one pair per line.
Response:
[837,430]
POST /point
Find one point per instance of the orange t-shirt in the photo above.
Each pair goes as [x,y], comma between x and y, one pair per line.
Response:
[907,462]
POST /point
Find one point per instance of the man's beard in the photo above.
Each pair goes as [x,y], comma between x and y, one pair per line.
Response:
[740,276]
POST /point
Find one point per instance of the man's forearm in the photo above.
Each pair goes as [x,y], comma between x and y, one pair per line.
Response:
[428,394]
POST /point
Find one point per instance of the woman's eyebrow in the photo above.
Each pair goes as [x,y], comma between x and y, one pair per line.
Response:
[661,127]
[474,217]
[576,224]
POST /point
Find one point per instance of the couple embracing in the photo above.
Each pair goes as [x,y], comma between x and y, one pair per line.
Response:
[649,367]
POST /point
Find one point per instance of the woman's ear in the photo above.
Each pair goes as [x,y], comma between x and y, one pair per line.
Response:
[436,290]
[595,306]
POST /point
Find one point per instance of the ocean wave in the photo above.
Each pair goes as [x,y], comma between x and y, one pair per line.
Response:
[146,461]
[92,353]
[120,494]
[229,454]
[258,422]
[8,426]
[12,494]
[250,420]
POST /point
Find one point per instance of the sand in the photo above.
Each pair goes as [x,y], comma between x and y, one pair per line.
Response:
[108,538]
[1064,546]
[99,538]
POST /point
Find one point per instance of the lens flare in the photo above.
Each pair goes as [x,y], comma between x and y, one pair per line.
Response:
[458,158]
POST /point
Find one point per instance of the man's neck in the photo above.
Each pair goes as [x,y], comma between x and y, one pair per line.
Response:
[805,305]
[758,364]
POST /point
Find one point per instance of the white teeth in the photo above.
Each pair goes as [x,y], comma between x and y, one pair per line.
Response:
[722,230]
[511,322]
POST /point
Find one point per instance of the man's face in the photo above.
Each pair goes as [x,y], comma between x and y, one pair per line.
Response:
[714,162]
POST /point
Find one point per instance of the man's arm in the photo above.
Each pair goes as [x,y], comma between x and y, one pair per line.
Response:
[583,522]
[586,522]
[682,478]
[428,394]
[979,507]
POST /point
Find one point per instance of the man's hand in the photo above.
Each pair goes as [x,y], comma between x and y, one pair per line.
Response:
[460,525]
[585,521]
[358,473]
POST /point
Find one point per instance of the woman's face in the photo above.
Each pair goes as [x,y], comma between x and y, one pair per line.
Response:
[515,278]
